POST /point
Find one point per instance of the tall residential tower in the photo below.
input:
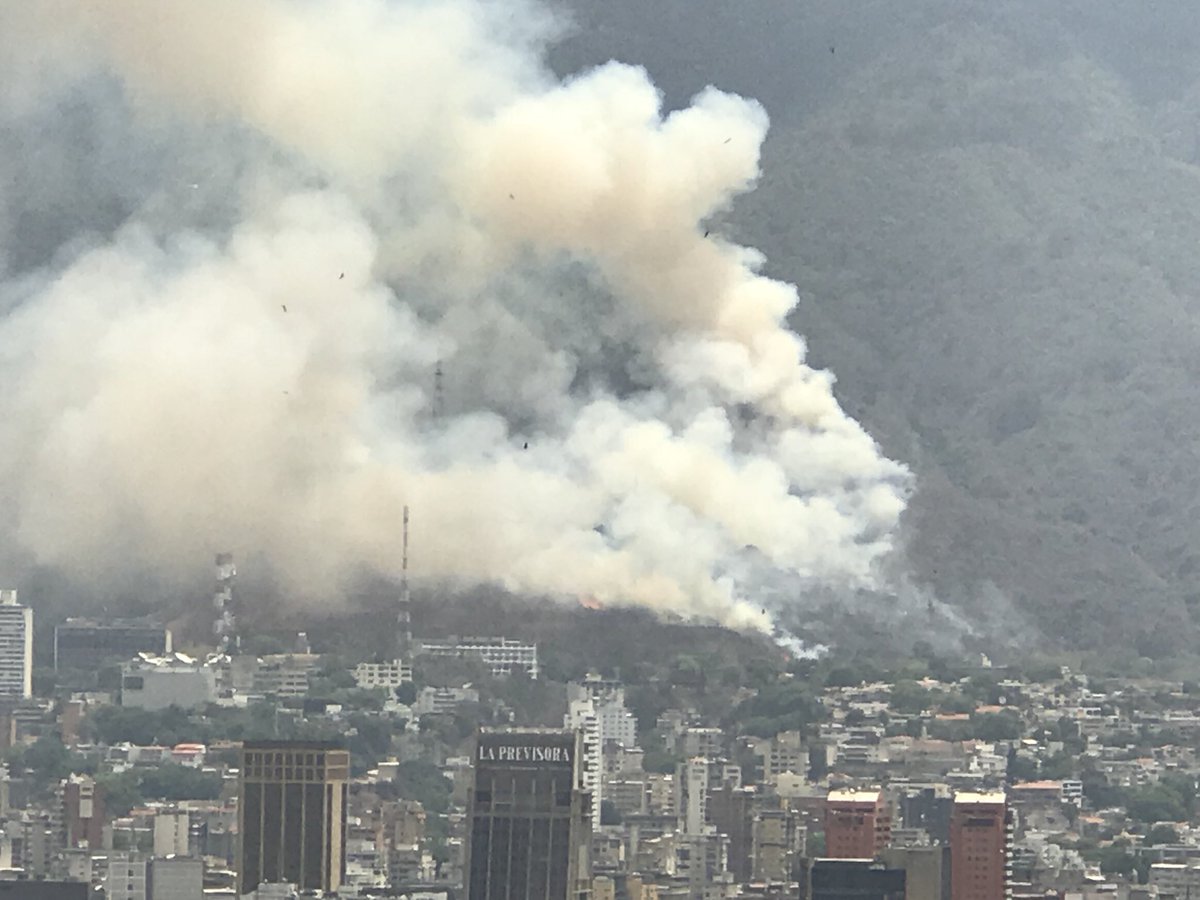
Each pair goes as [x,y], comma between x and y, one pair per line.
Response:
[16,647]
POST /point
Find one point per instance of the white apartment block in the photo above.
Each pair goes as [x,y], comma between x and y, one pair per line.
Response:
[390,675]
[501,655]
[16,647]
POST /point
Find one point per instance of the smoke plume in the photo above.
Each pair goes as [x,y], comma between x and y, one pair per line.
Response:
[273,271]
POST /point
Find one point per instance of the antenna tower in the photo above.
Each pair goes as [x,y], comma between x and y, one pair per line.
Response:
[404,616]
[225,626]
[439,393]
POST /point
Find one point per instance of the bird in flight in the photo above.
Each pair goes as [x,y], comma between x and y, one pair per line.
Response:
[283,306]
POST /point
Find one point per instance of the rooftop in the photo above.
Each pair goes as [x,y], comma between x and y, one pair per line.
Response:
[989,797]
[871,797]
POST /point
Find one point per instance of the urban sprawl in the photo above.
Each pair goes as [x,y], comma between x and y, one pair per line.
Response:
[459,769]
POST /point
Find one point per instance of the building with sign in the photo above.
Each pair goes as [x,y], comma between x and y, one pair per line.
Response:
[530,832]
[292,814]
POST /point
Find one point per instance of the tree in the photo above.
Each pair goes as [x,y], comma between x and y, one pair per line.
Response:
[1156,803]
[172,781]
[420,780]
[1161,834]
[121,792]
[47,759]
[909,697]
[1005,726]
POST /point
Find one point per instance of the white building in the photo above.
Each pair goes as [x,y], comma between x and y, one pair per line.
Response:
[16,647]
[171,833]
[156,682]
[692,794]
[388,675]
[581,716]
[502,656]
[616,722]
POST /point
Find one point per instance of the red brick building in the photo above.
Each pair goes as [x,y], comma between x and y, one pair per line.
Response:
[858,824]
[978,847]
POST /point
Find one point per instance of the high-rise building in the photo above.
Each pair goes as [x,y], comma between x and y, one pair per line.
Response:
[858,824]
[581,716]
[16,647]
[979,846]
[292,814]
[82,644]
[530,829]
[691,793]
[82,812]
[617,723]
[731,810]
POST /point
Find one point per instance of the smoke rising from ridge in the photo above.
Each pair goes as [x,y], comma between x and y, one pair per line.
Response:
[369,191]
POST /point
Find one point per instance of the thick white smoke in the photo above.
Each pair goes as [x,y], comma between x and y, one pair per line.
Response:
[622,412]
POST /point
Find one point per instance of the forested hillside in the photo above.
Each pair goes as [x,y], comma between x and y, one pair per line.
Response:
[992,212]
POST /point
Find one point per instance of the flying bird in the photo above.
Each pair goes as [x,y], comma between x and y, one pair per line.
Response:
[526,447]
[727,140]
[283,306]
[340,277]
[831,49]
[706,233]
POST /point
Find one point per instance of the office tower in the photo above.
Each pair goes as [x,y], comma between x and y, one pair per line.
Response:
[82,644]
[16,647]
[292,814]
[855,879]
[731,810]
[530,829]
[858,824]
[979,847]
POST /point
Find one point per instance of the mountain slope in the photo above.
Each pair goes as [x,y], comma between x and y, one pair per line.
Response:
[993,220]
